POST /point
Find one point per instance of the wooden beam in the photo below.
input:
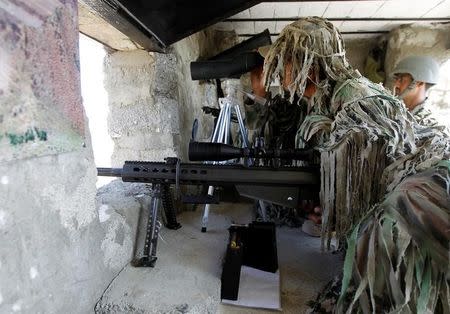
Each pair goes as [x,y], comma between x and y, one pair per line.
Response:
[115,16]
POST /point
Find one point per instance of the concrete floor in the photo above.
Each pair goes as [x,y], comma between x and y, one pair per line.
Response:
[186,278]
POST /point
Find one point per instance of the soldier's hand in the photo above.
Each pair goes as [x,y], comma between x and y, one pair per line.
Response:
[256,78]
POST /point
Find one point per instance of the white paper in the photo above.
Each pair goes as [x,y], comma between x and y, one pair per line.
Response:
[258,289]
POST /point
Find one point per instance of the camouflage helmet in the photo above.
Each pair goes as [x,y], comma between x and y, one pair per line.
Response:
[421,68]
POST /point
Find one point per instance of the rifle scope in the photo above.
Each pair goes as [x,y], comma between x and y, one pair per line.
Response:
[199,151]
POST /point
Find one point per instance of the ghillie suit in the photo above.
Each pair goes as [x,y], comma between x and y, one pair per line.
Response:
[423,115]
[370,144]
[397,257]
[375,149]
[267,120]
[277,123]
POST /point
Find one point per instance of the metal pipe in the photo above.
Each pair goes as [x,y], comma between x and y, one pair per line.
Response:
[109,172]
[343,33]
[216,129]
[227,125]
[241,126]
[154,232]
[343,19]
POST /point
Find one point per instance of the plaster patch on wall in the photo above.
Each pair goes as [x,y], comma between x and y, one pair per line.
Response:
[4,180]
[6,70]
[168,109]
[102,213]
[426,38]
[78,214]
[117,253]
[2,219]
[33,272]
[16,307]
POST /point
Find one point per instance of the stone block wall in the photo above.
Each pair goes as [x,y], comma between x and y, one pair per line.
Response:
[55,254]
[153,101]
[143,118]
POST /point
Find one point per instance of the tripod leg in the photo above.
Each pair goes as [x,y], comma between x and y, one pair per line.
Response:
[217,127]
[242,128]
[206,211]
[262,210]
[218,137]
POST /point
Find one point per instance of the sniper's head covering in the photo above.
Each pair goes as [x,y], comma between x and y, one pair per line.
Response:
[311,43]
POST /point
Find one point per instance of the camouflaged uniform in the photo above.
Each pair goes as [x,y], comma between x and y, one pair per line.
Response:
[278,122]
[423,115]
[369,143]
[385,178]
[385,189]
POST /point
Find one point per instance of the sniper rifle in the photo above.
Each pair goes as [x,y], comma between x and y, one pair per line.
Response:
[284,185]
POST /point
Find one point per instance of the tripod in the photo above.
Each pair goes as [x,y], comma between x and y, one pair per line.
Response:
[222,134]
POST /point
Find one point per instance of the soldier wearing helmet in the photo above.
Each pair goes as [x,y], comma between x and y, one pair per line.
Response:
[373,154]
[413,76]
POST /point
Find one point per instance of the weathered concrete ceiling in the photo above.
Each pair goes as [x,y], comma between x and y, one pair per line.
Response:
[157,24]
[355,19]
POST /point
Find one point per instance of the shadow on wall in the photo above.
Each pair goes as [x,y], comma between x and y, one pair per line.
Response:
[95,101]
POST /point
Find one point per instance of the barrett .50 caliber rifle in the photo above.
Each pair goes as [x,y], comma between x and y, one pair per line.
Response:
[284,185]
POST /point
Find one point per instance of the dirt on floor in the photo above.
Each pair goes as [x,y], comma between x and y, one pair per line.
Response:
[186,278]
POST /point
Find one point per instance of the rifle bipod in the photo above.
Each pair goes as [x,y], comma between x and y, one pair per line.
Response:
[160,192]
[169,210]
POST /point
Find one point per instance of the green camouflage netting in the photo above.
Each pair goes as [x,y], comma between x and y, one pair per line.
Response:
[369,144]
[372,148]
[423,115]
[397,257]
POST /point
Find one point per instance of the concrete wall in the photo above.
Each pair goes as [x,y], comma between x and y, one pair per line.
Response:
[153,101]
[193,95]
[56,255]
[143,117]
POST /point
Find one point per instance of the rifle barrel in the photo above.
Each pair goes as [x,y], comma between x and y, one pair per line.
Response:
[109,172]
[192,173]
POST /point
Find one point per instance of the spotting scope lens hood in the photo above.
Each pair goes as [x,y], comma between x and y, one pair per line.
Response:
[199,151]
